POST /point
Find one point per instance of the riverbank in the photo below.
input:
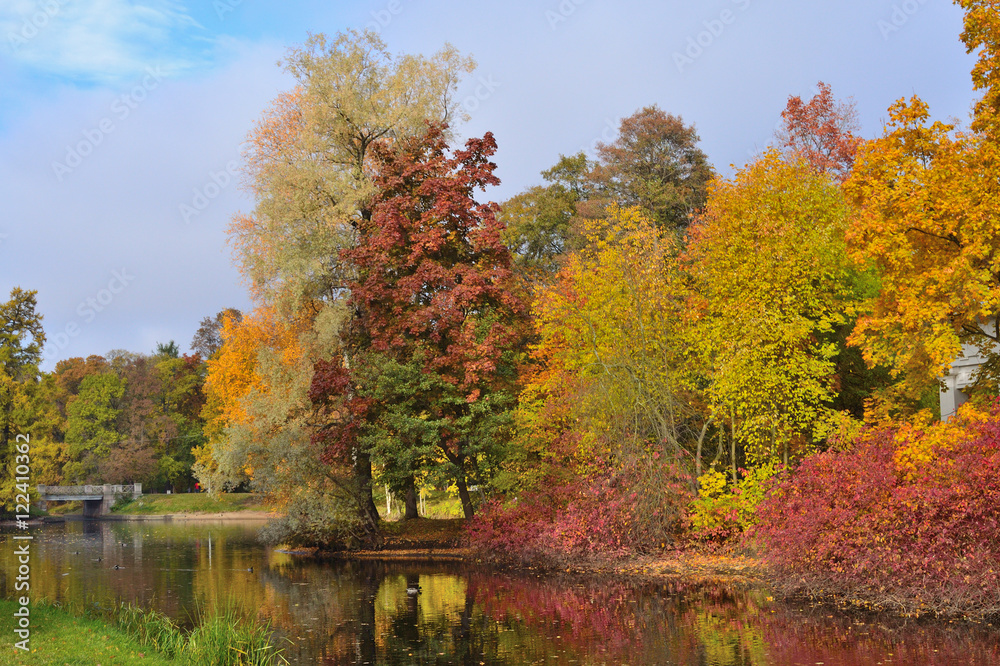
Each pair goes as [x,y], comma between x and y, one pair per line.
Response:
[222,515]
[443,540]
[188,504]
[180,507]
[59,637]
[129,635]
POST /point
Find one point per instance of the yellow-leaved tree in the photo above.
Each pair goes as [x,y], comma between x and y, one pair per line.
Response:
[616,319]
[611,408]
[773,290]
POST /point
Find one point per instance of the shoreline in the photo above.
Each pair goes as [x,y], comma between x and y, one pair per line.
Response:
[221,515]
[694,567]
[164,517]
[690,567]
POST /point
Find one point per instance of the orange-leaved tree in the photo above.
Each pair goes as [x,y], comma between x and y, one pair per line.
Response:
[927,219]
[234,375]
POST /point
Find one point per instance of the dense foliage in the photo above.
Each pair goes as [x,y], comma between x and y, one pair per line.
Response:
[906,519]
[635,355]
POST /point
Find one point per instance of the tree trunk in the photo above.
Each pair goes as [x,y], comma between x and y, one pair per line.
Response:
[458,459]
[718,449]
[363,470]
[411,500]
[732,447]
[697,458]
[463,494]
[701,447]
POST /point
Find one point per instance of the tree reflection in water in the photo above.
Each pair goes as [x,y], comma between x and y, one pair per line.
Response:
[337,612]
[474,617]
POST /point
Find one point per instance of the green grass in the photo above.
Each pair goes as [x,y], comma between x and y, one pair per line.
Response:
[230,639]
[65,508]
[440,504]
[190,503]
[127,635]
[58,637]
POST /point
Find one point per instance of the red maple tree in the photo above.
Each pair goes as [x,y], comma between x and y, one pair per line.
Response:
[821,131]
[436,311]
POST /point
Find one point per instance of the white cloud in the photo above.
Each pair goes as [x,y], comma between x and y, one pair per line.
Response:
[103,41]
[119,209]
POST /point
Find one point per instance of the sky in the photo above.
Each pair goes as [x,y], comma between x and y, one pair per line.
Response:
[121,121]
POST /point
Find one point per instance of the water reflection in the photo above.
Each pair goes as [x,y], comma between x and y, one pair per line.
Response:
[394,613]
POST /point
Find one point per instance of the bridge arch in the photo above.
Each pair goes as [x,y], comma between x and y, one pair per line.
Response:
[97,498]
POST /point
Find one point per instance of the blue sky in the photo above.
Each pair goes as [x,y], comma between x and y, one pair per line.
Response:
[118,115]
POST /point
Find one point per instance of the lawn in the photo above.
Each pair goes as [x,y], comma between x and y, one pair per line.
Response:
[64,508]
[58,637]
[439,504]
[191,503]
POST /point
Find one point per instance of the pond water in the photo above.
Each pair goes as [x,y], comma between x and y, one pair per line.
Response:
[335,612]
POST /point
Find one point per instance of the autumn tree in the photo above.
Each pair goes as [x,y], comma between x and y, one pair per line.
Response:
[821,132]
[207,339]
[179,426]
[926,194]
[56,390]
[655,164]
[617,314]
[982,28]
[773,285]
[436,310]
[611,419]
[92,426]
[49,451]
[69,373]
[21,342]
[307,156]
[308,168]
[232,374]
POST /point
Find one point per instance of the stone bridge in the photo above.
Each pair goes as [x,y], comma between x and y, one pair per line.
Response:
[97,499]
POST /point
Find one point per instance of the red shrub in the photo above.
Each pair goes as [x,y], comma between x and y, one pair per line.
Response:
[924,539]
[609,513]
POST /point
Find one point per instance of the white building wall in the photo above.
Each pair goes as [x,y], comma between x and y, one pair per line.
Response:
[962,374]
